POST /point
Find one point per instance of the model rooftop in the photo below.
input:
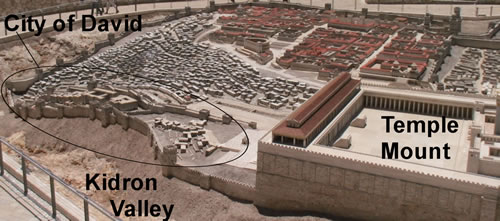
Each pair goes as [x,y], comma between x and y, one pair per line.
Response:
[308,120]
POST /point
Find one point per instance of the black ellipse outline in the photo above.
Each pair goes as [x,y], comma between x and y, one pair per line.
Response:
[109,155]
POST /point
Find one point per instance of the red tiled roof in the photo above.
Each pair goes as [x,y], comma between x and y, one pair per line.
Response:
[315,102]
[318,107]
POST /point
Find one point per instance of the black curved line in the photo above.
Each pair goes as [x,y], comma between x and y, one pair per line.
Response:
[109,155]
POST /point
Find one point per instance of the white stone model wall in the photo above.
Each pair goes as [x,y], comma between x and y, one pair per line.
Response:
[343,119]
[476,43]
[299,180]
[232,188]
[490,167]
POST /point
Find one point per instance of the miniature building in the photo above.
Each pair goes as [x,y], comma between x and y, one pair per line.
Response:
[332,50]
[258,45]
[124,103]
[321,157]
[343,142]
[346,159]
[305,123]
[359,122]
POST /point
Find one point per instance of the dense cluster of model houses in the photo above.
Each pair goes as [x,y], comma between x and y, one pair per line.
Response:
[465,74]
[263,22]
[332,50]
[280,92]
[347,42]
[491,67]
[343,46]
[187,29]
[165,61]
[409,54]
[192,138]
[252,27]
[474,65]
[350,40]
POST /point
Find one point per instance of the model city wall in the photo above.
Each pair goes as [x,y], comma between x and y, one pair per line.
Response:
[109,115]
[345,185]
[83,108]
[476,43]
[296,179]
[232,188]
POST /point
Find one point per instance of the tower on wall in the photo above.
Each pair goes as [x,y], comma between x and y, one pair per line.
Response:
[169,159]
[456,21]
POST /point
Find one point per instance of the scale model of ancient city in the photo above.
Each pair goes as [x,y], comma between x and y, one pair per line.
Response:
[257,110]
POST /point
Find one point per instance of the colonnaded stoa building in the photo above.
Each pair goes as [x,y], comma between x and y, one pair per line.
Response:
[326,156]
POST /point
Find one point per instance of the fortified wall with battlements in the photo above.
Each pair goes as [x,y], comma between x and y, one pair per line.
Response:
[336,181]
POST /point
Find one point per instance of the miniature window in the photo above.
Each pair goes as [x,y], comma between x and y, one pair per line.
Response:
[494,152]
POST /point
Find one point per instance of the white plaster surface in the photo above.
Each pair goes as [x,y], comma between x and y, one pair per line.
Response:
[369,140]
[263,122]
[249,159]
